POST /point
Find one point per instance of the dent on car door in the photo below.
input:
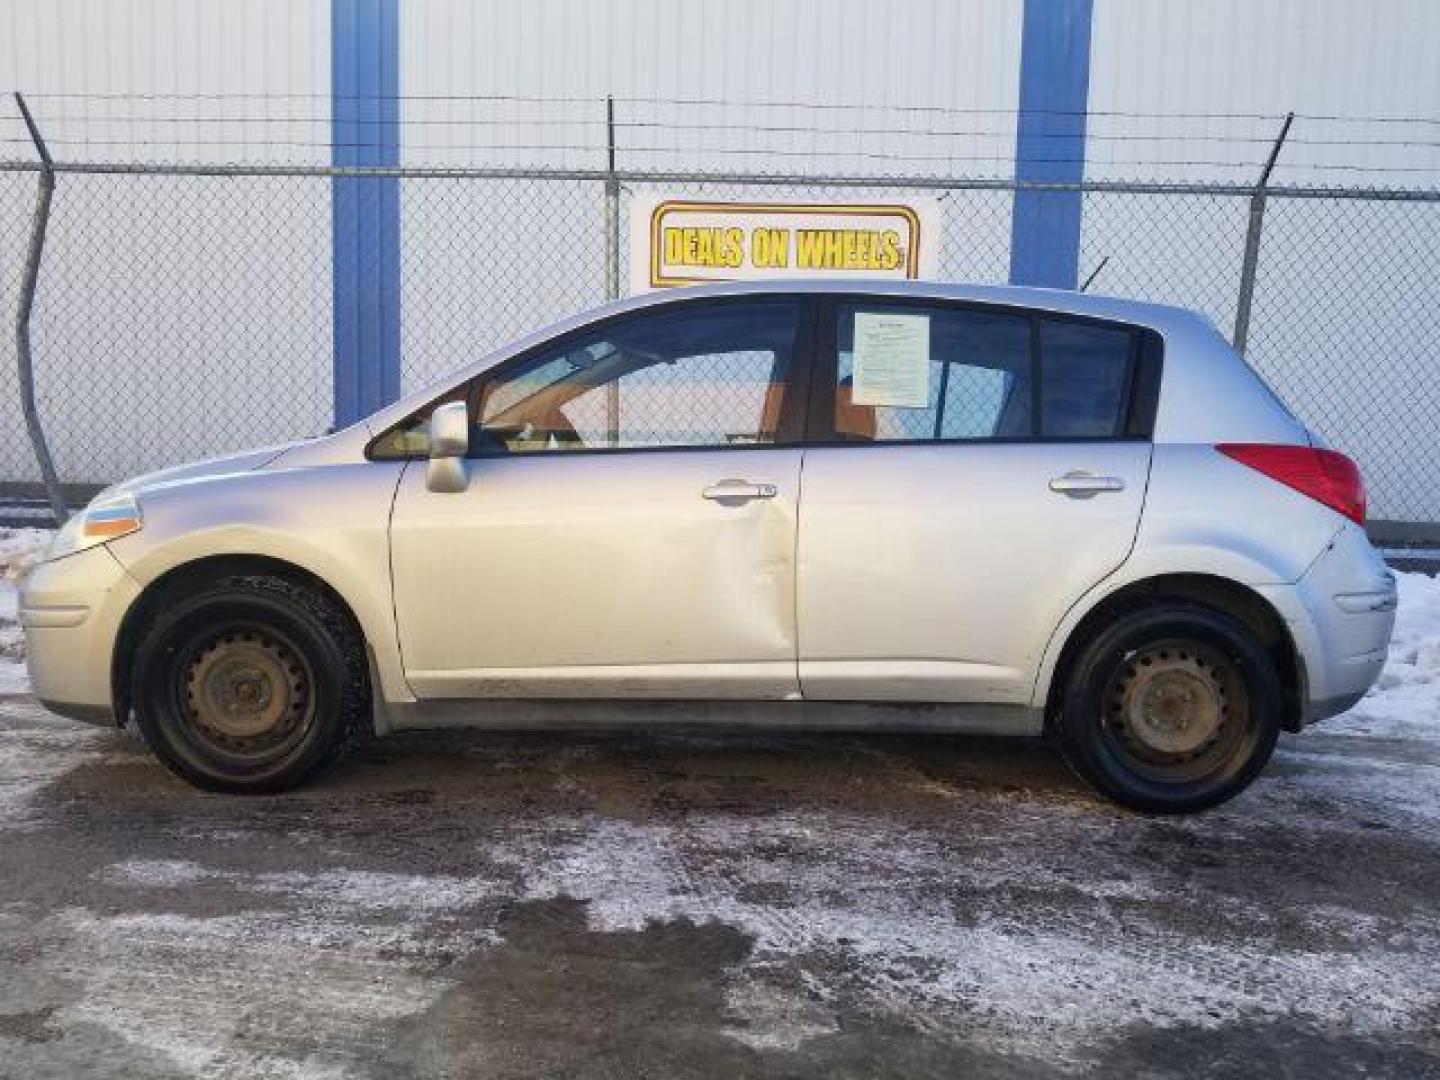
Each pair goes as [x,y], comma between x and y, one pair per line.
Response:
[629,523]
[982,473]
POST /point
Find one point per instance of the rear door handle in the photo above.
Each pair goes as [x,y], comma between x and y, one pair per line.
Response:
[1085,485]
[739,491]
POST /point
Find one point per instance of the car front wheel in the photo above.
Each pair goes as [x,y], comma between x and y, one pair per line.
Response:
[250,684]
[1171,708]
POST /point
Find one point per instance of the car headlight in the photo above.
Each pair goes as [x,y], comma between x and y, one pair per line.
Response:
[104,519]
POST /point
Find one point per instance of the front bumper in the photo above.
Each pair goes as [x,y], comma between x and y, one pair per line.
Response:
[1340,615]
[71,610]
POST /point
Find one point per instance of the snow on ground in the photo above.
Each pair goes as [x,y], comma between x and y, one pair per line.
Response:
[1047,989]
[19,548]
[1405,702]
[1047,925]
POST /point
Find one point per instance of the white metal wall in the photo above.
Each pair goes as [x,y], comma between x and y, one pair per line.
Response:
[1227,61]
[242,77]
[1219,61]
[668,62]
[745,86]
[1339,302]
[145,279]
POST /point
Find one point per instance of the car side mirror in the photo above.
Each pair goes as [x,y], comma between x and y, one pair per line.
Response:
[449,442]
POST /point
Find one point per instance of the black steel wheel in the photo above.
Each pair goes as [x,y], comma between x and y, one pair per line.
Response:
[1171,708]
[251,684]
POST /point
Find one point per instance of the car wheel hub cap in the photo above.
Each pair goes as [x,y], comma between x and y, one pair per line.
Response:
[246,687]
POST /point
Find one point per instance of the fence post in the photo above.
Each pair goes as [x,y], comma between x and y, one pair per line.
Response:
[612,262]
[28,281]
[612,207]
[1252,243]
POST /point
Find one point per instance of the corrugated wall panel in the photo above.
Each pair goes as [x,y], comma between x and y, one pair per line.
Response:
[1347,292]
[207,81]
[1236,66]
[176,317]
[693,78]
[784,86]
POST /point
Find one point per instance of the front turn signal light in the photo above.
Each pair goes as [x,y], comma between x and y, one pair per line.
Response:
[103,520]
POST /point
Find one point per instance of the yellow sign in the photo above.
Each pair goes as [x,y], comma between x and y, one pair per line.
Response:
[683,242]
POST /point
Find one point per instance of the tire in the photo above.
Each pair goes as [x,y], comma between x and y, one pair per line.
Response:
[1171,708]
[253,684]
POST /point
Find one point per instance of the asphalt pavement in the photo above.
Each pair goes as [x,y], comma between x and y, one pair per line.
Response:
[671,904]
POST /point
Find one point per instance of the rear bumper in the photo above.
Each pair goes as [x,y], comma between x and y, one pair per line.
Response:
[1340,615]
[71,610]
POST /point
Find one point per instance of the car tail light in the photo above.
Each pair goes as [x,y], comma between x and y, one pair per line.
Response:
[1324,475]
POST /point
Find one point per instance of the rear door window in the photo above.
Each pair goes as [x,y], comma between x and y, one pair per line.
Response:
[908,372]
[944,372]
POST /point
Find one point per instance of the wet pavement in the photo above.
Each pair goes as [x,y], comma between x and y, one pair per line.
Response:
[669,904]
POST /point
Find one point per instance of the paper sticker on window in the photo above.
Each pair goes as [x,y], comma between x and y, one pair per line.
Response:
[892,360]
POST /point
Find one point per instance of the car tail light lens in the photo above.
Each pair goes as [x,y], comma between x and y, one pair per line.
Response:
[1324,475]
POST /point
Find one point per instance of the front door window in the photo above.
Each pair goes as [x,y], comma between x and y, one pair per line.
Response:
[715,375]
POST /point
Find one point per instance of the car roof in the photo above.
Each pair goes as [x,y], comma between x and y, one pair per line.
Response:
[1066,301]
[1170,322]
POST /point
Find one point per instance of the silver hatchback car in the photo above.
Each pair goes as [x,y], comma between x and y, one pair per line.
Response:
[804,504]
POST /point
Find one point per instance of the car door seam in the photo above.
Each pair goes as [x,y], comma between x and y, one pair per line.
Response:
[795,566]
[390,562]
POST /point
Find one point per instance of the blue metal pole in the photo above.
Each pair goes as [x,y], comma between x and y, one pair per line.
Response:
[1050,141]
[365,211]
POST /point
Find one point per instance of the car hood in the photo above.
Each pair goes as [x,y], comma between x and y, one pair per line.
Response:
[224,465]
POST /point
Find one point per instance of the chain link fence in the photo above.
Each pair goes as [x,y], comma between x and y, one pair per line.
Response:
[182,312]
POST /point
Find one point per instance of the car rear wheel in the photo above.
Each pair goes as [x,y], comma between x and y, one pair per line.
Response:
[252,684]
[1171,708]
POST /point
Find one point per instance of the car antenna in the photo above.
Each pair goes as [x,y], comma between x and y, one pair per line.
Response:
[1095,273]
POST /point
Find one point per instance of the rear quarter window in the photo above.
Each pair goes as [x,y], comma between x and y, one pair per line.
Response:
[1084,379]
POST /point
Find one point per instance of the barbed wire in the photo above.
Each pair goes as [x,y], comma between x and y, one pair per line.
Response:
[898,160]
[401,123]
[716,102]
[245,127]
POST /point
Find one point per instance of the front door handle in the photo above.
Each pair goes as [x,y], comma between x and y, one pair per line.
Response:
[1085,485]
[739,491]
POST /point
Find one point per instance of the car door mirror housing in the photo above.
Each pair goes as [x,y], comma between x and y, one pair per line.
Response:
[450,430]
[449,442]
